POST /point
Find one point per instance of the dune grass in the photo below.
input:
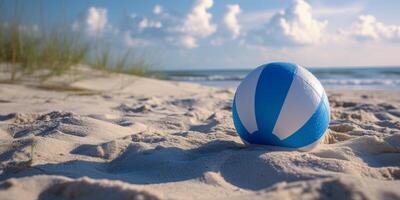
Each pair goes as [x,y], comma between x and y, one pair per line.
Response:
[126,62]
[29,52]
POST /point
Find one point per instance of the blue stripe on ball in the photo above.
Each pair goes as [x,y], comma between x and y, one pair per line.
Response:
[238,124]
[272,88]
[253,138]
[317,125]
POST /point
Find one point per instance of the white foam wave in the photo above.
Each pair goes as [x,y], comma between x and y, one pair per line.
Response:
[360,82]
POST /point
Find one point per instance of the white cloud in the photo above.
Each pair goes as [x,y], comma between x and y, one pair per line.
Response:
[188,42]
[197,24]
[184,41]
[367,27]
[96,20]
[132,42]
[230,20]
[157,10]
[147,23]
[171,28]
[198,21]
[293,26]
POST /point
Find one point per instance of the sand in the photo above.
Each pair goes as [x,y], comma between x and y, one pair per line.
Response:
[125,137]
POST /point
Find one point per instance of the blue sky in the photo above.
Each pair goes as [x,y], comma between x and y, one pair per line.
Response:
[207,34]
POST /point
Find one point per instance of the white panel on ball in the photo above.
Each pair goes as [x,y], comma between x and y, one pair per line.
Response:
[245,100]
[310,79]
[300,103]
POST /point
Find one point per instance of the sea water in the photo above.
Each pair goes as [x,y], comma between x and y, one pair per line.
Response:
[381,78]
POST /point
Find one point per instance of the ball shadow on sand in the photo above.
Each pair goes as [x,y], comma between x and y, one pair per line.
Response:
[240,166]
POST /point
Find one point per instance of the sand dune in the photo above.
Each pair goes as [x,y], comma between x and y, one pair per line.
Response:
[124,137]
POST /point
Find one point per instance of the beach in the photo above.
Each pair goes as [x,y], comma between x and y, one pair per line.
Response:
[127,137]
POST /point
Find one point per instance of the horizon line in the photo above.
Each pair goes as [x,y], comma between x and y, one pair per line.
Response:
[312,67]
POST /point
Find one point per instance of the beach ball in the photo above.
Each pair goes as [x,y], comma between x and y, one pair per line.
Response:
[281,104]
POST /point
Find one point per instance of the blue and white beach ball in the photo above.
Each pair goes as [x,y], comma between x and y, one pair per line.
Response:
[281,104]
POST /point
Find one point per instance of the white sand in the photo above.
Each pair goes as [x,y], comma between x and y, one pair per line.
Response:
[136,138]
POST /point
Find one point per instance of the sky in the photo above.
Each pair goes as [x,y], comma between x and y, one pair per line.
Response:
[231,34]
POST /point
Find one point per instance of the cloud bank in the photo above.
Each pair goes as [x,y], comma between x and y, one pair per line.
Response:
[298,32]
[368,28]
[291,27]
[171,29]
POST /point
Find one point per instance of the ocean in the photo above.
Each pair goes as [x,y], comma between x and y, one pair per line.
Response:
[381,78]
